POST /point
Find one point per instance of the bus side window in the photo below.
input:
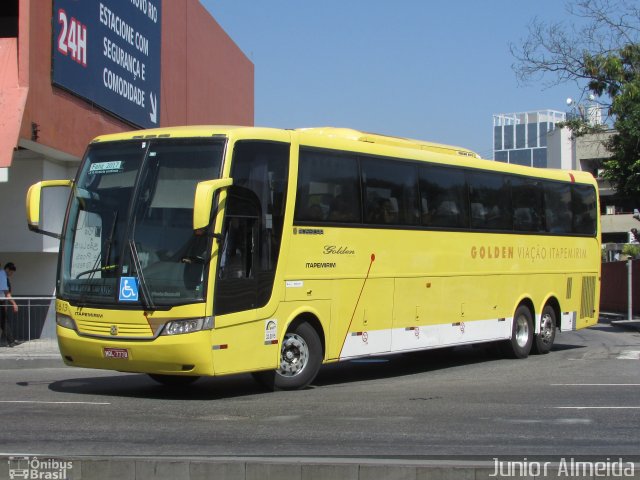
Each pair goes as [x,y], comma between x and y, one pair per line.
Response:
[391,192]
[489,194]
[557,201]
[526,197]
[443,197]
[328,188]
[584,207]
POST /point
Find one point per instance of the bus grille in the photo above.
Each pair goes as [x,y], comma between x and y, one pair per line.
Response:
[588,297]
[104,329]
[569,287]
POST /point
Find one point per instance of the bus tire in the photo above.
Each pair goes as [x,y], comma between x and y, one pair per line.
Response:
[300,360]
[521,340]
[173,380]
[543,341]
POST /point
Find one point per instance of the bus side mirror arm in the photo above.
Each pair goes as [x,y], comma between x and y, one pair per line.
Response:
[34,198]
[203,201]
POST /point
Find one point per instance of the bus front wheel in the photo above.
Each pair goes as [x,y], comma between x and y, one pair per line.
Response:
[300,360]
[521,334]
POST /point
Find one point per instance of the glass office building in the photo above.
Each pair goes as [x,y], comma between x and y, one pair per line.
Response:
[521,138]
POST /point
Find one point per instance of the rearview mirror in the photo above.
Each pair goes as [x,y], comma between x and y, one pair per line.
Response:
[34,199]
[203,201]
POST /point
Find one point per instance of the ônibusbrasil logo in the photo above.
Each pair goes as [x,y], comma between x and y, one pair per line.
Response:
[39,468]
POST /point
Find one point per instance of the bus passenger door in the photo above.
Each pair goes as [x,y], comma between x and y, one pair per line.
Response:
[236,283]
[236,286]
[248,253]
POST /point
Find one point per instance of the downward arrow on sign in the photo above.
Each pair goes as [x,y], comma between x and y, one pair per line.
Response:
[153,116]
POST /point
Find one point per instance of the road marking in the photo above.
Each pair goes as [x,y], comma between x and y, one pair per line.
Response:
[54,403]
[629,355]
[597,408]
[595,384]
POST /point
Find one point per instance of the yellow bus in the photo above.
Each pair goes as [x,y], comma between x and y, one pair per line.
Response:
[213,250]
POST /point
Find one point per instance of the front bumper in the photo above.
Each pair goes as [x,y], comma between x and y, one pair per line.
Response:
[188,354]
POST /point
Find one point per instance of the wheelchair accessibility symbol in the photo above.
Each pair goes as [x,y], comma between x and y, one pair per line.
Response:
[128,289]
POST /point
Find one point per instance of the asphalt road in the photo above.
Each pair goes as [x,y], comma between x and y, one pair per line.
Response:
[582,398]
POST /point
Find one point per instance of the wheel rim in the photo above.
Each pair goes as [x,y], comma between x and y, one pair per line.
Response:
[293,356]
[546,329]
[522,331]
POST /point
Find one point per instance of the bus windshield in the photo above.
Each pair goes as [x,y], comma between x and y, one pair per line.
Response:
[130,220]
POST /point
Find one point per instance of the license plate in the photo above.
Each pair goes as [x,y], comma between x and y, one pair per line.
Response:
[116,353]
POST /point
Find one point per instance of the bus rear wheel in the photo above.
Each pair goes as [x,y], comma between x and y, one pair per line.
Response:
[544,340]
[521,340]
[300,360]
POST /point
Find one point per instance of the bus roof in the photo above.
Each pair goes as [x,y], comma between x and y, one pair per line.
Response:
[357,135]
[328,132]
[443,153]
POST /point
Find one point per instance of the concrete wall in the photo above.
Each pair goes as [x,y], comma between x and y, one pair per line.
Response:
[591,147]
[34,255]
[560,152]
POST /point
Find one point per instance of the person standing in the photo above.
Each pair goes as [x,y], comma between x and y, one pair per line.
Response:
[5,300]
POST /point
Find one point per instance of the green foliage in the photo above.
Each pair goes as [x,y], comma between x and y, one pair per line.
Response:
[601,54]
[631,250]
[617,75]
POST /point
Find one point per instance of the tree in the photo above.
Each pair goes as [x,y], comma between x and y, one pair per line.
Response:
[600,52]
[618,76]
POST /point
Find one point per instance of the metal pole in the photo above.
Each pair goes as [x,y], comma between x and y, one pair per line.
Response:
[29,322]
[629,290]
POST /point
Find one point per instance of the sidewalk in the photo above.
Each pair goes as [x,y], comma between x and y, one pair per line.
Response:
[620,320]
[41,353]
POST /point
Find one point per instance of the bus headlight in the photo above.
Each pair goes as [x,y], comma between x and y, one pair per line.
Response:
[65,321]
[178,327]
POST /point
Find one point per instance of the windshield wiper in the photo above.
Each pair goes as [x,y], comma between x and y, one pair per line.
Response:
[106,268]
[148,302]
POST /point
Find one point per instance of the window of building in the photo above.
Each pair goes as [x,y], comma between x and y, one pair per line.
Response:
[508,137]
[520,157]
[497,138]
[521,133]
[502,156]
[532,134]
[540,157]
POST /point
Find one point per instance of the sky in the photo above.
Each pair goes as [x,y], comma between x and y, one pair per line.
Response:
[424,69]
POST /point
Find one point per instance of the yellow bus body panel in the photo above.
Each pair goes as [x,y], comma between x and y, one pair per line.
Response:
[371,291]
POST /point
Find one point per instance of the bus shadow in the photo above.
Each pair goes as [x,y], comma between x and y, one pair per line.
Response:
[412,363]
[234,386]
[141,386]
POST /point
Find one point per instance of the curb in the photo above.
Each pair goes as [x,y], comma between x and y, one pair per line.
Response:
[243,468]
[291,468]
[17,362]
[627,324]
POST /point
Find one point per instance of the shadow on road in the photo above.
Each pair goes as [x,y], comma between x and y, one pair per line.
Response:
[234,386]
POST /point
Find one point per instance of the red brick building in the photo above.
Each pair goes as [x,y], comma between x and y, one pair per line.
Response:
[200,77]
